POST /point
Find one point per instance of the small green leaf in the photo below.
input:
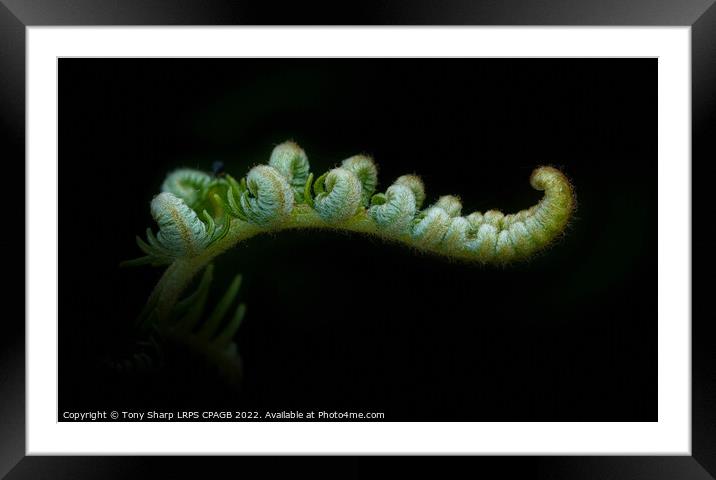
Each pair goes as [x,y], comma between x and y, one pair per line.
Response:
[189,321]
[307,196]
[227,334]
[225,224]
[318,186]
[232,194]
[378,199]
[144,247]
[234,205]
[136,262]
[233,184]
[209,328]
[153,240]
[210,225]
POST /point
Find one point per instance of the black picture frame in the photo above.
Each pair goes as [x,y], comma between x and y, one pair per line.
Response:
[700,15]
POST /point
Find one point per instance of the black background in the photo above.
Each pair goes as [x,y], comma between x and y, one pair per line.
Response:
[346,322]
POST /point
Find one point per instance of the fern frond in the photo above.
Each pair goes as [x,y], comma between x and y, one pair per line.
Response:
[222,212]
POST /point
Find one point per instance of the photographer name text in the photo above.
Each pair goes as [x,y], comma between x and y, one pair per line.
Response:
[186,415]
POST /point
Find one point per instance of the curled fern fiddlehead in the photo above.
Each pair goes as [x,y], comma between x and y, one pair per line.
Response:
[180,230]
[367,173]
[267,198]
[290,159]
[414,183]
[394,210]
[283,195]
[450,204]
[430,227]
[182,233]
[188,184]
[338,195]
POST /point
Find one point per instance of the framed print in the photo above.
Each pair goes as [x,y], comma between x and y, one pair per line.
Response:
[388,233]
